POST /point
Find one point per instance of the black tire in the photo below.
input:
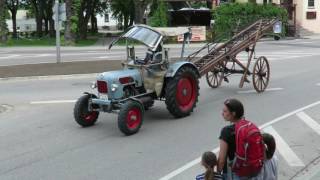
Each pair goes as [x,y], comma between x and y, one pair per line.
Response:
[148,105]
[126,119]
[81,114]
[277,38]
[182,92]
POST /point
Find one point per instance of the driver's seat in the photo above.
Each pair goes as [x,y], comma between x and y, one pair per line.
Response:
[148,57]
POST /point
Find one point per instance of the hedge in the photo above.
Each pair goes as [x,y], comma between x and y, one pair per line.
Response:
[227,16]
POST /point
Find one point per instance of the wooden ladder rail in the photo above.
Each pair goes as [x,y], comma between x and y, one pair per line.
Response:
[251,39]
[223,45]
[236,49]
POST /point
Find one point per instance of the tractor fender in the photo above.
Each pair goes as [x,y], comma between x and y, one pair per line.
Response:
[173,68]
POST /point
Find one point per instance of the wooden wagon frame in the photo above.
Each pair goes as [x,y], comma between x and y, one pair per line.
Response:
[219,55]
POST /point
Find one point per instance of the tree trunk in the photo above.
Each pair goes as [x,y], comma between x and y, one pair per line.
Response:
[69,36]
[39,26]
[86,7]
[46,26]
[139,12]
[51,28]
[94,24]
[48,15]
[39,15]
[3,24]
[14,23]
[125,22]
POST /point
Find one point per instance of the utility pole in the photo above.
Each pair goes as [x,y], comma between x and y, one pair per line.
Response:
[57,24]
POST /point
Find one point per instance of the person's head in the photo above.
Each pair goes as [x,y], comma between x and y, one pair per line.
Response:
[233,110]
[209,160]
[270,143]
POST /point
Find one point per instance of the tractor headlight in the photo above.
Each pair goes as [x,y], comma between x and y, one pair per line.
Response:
[94,85]
[114,87]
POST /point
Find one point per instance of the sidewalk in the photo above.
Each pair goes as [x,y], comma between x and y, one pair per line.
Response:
[65,68]
[311,172]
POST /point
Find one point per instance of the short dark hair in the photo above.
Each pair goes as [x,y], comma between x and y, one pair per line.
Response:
[235,106]
[270,142]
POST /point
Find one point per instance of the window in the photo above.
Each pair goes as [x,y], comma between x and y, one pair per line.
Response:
[310,3]
[106,18]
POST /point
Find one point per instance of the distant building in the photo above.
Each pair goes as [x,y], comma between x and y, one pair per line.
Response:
[24,23]
[106,22]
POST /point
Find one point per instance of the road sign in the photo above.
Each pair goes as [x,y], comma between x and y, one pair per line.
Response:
[61,12]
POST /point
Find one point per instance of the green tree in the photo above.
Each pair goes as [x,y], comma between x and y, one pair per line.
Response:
[71,22]
[3,24]
[13,6]
[37,8]
[160,16]
[47,17]
[139,10]
[123,10]
[84,14]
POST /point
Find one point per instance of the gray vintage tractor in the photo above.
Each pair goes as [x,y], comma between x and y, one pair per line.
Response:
[133,90]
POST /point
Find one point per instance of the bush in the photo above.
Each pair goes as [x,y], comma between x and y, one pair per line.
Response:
[227,16]
[160,16]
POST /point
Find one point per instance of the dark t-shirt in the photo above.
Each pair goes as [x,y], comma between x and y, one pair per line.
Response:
[228,135]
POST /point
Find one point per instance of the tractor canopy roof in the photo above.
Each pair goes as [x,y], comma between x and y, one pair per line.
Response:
[149,36]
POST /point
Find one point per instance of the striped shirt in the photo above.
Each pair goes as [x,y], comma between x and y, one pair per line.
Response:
[215,177]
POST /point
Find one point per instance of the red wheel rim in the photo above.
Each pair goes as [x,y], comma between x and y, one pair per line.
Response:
[91,116]
[133,118]
[186,93]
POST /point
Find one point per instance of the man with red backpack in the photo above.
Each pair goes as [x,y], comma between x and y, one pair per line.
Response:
[241,143]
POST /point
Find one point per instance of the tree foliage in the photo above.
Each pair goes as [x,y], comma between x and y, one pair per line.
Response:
[123,10]
[239,15]
[160,16]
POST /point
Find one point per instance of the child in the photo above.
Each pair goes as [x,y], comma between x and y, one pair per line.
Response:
[270,167]
[271,164]
[209,161]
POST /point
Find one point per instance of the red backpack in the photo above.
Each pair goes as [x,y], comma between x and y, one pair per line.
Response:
[249,155]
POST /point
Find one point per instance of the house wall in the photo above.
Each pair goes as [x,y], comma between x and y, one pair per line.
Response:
[302,9]
[102,24]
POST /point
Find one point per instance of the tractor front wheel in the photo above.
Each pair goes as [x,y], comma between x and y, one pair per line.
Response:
[130,117]
[81,112]
[182,92]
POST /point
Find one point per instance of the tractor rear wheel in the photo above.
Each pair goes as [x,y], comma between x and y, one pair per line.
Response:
[81,112]
[130,117]
[182,92]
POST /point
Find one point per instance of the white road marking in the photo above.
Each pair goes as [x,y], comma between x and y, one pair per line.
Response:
[284,149]
[318,84]
[106,57]
[3,52]
[253,91]
[10,56]
[185,167]
[93,51]
[53,102]
[44,55]
[309,121]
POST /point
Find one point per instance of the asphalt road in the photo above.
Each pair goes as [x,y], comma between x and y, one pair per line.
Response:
[40,140]
[36,55]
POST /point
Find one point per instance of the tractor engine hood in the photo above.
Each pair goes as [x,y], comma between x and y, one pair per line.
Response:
[117,80]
